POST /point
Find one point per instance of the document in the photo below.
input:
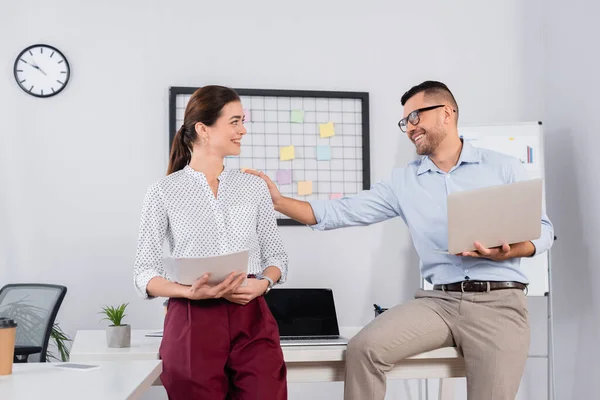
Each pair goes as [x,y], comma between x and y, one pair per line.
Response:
[73,366]
[185,270]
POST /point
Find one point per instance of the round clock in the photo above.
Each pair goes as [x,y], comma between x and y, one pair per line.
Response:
[42,70]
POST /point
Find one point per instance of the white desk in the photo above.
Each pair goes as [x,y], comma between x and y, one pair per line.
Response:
[113,380]
[304,363]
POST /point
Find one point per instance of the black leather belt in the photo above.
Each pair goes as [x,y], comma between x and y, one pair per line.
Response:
[479,286]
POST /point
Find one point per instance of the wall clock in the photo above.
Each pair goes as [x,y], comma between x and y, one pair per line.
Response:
[42,70]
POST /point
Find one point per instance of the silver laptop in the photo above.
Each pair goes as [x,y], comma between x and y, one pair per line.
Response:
[306,317]
[494,215]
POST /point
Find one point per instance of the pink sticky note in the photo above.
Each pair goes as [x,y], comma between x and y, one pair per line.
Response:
[284,176]
[247,115]
[334,196]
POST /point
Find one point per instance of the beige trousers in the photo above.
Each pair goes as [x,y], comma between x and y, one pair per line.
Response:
[490,329]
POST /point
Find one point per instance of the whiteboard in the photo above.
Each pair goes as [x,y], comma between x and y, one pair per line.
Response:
[524,141]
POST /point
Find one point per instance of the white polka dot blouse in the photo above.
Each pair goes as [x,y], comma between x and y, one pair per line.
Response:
[182,209]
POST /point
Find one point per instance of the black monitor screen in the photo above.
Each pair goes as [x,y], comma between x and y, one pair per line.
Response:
[301,312]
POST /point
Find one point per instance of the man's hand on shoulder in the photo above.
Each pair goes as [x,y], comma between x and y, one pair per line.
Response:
[273,190]
[501,253]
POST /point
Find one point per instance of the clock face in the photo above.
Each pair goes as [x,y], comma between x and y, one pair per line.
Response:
[42,70]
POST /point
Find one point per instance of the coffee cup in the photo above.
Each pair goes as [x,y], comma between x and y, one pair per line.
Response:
[8,334]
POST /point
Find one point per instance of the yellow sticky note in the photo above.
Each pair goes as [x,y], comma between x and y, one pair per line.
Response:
[304,188]
[327,130]
[286,153]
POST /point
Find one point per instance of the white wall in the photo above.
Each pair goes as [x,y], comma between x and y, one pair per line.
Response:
[571,104]
[74,168]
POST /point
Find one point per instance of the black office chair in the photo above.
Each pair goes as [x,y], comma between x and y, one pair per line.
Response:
[33,306]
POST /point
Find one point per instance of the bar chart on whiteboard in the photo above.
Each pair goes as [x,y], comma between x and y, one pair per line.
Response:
[523,145]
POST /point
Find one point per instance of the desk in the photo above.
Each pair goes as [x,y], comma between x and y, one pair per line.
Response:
[113,380]
[304,363]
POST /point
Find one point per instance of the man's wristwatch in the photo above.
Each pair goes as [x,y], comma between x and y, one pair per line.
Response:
[271,283]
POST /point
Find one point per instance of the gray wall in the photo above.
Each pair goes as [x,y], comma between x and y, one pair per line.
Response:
[571,88]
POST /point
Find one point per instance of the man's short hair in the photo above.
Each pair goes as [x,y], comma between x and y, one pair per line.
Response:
[432,88]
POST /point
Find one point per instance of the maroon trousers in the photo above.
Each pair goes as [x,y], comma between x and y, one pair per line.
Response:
[215,349]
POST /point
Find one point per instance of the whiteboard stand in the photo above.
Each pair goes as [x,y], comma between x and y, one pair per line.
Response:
[550,354]
[523,141]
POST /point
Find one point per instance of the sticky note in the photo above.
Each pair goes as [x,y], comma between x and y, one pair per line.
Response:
[297,116]
[304,188]
[323,153]
[327,130]
[334,196]
[286,153]
[284,176]
[247,115]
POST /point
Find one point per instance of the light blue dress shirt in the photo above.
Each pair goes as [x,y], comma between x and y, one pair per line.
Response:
[417,194]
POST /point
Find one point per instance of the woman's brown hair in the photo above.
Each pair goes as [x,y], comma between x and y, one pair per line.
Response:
[204,106]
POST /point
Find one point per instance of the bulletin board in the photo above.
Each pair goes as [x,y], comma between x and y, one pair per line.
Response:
[312,144]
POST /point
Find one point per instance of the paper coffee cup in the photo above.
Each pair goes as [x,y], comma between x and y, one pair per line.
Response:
[8,334]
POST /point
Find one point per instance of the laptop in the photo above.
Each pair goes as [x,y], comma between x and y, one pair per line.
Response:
[494,215]
[305,317]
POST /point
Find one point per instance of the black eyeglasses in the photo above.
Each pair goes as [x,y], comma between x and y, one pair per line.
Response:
[414,116]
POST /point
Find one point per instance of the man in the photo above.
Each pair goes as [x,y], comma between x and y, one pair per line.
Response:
[478,303]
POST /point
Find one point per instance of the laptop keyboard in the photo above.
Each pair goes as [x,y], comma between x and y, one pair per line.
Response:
[309,337]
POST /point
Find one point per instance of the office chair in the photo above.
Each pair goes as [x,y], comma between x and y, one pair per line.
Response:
[33,306]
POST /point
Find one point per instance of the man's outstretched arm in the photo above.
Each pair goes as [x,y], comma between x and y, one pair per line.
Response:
[367,207]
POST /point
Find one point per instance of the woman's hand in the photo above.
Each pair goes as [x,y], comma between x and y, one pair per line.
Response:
[201,290]
[245,294]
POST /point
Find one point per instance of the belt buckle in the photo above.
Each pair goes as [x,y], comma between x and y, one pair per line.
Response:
[462,286]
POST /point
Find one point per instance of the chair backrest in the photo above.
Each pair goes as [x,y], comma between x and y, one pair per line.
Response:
[33,306]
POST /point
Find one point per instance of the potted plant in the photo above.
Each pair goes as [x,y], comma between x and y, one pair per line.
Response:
[117,334]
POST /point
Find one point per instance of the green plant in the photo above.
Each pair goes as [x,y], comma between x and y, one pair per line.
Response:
[60,338]
[114,314]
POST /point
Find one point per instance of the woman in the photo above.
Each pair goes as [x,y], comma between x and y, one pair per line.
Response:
[219,341]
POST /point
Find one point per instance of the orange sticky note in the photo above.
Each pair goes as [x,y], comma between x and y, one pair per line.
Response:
[327,130]
[304,188]
[286,153]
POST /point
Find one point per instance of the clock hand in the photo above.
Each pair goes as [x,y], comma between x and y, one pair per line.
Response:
[38,68]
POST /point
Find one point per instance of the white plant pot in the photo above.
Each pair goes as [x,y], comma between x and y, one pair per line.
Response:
[118,336]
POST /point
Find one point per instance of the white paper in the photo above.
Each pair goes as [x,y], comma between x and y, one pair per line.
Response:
[185,270]
[78,367]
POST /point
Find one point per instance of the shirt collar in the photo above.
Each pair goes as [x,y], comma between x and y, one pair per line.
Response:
[468,155]
[189,170]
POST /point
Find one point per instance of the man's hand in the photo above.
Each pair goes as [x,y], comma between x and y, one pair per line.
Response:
[501,253]
[494,253]
[299,210]
[245,294]
[201,290]
[275,194]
